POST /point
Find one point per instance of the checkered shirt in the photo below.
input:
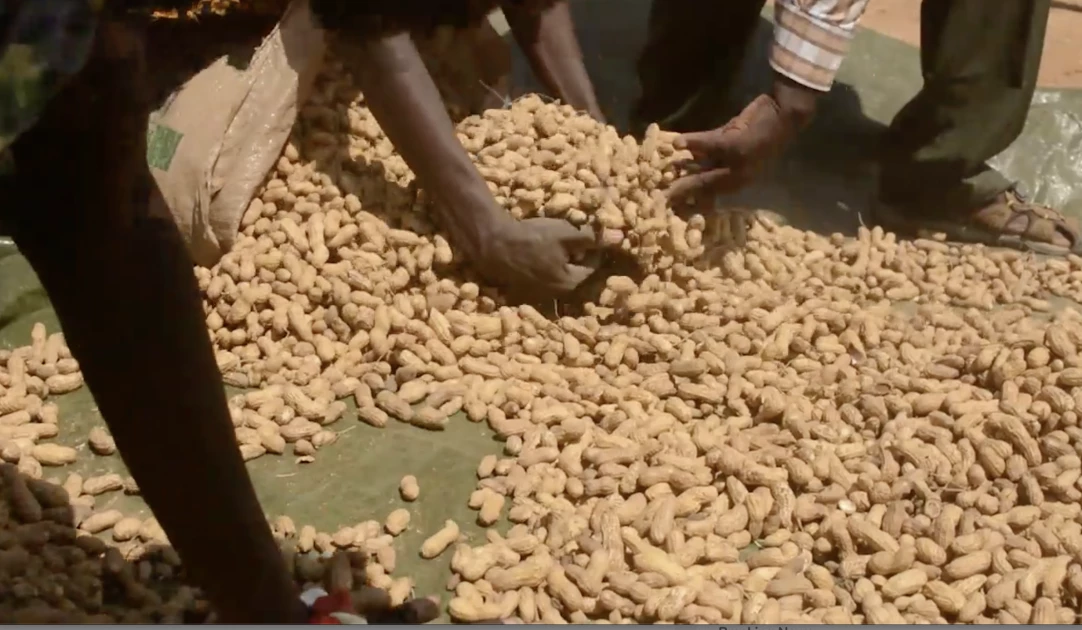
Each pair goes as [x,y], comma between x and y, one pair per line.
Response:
[812,37]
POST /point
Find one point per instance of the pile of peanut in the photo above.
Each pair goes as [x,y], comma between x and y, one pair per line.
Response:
[54,572]
[29,375]
[62,564]
[807,429]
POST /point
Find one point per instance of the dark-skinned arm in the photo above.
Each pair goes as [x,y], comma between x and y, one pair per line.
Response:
[796,103]
[547,38]
[811,39]
[408,106]
[124,292]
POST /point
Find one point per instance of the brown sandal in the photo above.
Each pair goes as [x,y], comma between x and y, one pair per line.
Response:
[1008,221]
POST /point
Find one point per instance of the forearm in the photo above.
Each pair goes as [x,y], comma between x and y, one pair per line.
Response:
[796,103]
[136,327]
[811,39]
[548,40]
[125,295]
[406,103]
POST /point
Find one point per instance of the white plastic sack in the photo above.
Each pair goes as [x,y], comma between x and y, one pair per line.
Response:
[214,141]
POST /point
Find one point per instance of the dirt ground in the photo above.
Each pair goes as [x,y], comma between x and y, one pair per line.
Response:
[1061,66]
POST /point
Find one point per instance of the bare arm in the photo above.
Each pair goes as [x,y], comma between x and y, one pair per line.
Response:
[811,39]
[406,103]
[548,40]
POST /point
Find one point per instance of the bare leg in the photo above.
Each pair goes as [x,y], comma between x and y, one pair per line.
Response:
[123,288]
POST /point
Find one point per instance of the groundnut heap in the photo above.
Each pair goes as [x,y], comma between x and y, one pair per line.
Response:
[813,429]
[806,429]
[29,375]
[67,555]
[57,566]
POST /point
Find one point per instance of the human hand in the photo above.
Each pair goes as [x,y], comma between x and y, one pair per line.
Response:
[730,157]
[533,255]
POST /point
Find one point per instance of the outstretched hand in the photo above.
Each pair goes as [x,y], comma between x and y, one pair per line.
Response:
[534,255]
[730,157]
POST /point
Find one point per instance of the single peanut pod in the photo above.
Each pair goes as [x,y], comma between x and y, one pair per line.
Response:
[101,484]
[491,508]
[409,489]
[100,442]
[54,454]
[64,383]
[24,504]
[101,521]
[397,521]
[126,529]
[437,543]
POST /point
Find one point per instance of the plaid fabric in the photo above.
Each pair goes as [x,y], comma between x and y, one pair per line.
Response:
[811,38]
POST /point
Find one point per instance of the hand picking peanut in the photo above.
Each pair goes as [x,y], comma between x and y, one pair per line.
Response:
[140,273]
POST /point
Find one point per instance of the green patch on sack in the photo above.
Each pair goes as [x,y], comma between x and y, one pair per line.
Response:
[162,143]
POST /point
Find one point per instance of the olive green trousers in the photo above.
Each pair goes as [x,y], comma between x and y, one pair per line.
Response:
[979,59]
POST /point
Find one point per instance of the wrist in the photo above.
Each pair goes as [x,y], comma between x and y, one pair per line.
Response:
[488,224]
[796,103]
[474,219]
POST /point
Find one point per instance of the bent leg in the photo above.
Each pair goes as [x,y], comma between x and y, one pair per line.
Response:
[123,289]
[980,61]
